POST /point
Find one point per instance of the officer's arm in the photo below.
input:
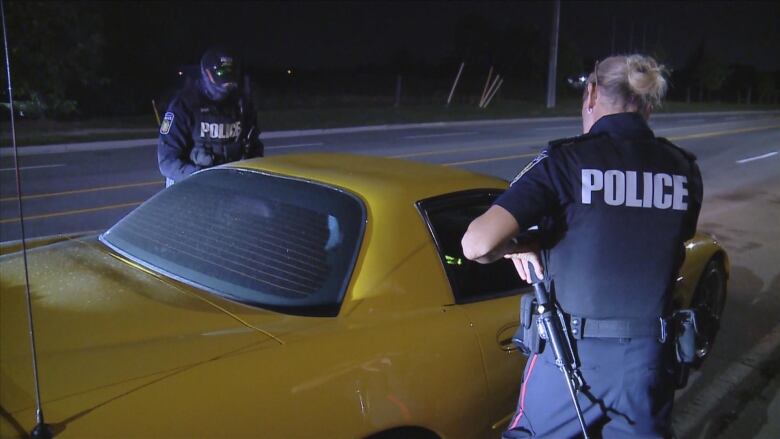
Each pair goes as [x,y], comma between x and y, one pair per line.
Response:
[529,197]
[255,146]
[175,143]
[489,237]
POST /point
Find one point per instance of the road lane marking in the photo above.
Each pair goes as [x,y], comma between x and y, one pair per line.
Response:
[659,130]
[296,145]
[492,159]
[83,191]
[71,212]
[723,133]
[539,142]
[469,149]
[760,157]
[426,136]
[24,168]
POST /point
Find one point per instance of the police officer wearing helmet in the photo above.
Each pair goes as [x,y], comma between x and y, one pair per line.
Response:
[211,121]
[614,207]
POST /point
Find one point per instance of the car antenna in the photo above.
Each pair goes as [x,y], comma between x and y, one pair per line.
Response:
[41,430]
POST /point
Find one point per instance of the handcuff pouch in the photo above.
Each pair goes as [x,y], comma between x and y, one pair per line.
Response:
[527,337]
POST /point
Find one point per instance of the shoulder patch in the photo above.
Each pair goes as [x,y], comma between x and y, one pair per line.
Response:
[688,155]
[568,140]
[166,124]
[542,155]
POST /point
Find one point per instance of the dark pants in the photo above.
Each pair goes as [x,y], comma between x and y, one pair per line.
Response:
[628,393]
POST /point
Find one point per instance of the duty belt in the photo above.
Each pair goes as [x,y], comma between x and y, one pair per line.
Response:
[583,327]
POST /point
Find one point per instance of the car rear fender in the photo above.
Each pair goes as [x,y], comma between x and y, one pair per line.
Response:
[698,252]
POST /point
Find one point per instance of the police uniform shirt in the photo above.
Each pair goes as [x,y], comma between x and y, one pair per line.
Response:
[619,203]
[193,121]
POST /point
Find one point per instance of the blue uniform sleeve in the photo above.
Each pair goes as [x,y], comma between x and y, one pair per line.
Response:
[695,197]
[175,142]
[531,196]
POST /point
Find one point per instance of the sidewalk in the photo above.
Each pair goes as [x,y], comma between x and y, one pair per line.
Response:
[759,414]
[742,402]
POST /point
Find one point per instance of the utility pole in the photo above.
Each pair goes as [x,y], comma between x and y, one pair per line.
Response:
[551,72]
[398,80]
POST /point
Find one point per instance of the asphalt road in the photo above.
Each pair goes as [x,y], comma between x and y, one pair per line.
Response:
[738,155]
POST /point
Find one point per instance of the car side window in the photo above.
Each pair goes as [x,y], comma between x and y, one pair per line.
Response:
[448,218]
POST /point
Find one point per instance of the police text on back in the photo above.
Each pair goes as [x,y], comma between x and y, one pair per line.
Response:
[622,188]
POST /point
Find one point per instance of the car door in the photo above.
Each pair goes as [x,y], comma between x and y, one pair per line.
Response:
[488,294]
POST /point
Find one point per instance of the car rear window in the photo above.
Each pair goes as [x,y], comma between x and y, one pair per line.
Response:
[270,241]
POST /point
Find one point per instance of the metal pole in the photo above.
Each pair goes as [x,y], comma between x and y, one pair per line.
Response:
[485,89]
[551,73]
[495,90]
[41,429]
[156,113]
[489,90]
[455,84]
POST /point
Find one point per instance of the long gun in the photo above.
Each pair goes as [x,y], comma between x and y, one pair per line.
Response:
[557,336]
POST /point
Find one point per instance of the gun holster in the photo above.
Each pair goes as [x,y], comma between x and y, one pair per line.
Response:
[685,332]
[528,338]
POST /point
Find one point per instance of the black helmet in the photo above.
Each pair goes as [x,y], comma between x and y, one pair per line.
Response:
[220,72]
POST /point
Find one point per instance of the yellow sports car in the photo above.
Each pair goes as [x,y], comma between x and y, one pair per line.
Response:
[312,295]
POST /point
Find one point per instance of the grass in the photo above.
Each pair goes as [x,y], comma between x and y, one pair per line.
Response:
[39,132]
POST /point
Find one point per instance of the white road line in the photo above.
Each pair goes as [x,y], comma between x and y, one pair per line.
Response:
[297,145]
[24,168]
[425,136]
[767,155]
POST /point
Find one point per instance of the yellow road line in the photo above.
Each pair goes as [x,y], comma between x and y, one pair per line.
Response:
[709,125]
[722,133]
[83,191]
[472,148]
[492,159]
[71,212]
[692,136]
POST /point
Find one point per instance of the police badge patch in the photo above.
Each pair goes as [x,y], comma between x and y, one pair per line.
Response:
[542,155]
[165,126]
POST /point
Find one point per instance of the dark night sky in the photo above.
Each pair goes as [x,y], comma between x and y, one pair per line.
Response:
[346,34]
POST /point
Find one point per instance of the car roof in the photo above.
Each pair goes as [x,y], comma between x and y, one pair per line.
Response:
[374,177]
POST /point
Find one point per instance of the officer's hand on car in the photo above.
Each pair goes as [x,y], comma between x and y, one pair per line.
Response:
[521,261]
[201,157]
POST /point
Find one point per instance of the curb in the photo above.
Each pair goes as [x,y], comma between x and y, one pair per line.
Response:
[135,143]
[738,375]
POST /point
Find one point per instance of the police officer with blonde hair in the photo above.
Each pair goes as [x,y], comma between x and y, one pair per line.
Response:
[614,207]
[211,120]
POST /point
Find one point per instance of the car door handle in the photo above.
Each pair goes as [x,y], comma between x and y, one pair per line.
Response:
[504,336]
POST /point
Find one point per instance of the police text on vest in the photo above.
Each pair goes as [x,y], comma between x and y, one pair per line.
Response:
[220,130]
[624,188]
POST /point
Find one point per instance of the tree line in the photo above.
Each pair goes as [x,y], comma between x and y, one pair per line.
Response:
[73,60]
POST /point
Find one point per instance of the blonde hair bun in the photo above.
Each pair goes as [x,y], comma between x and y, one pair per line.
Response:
[631,81]
[646,79]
